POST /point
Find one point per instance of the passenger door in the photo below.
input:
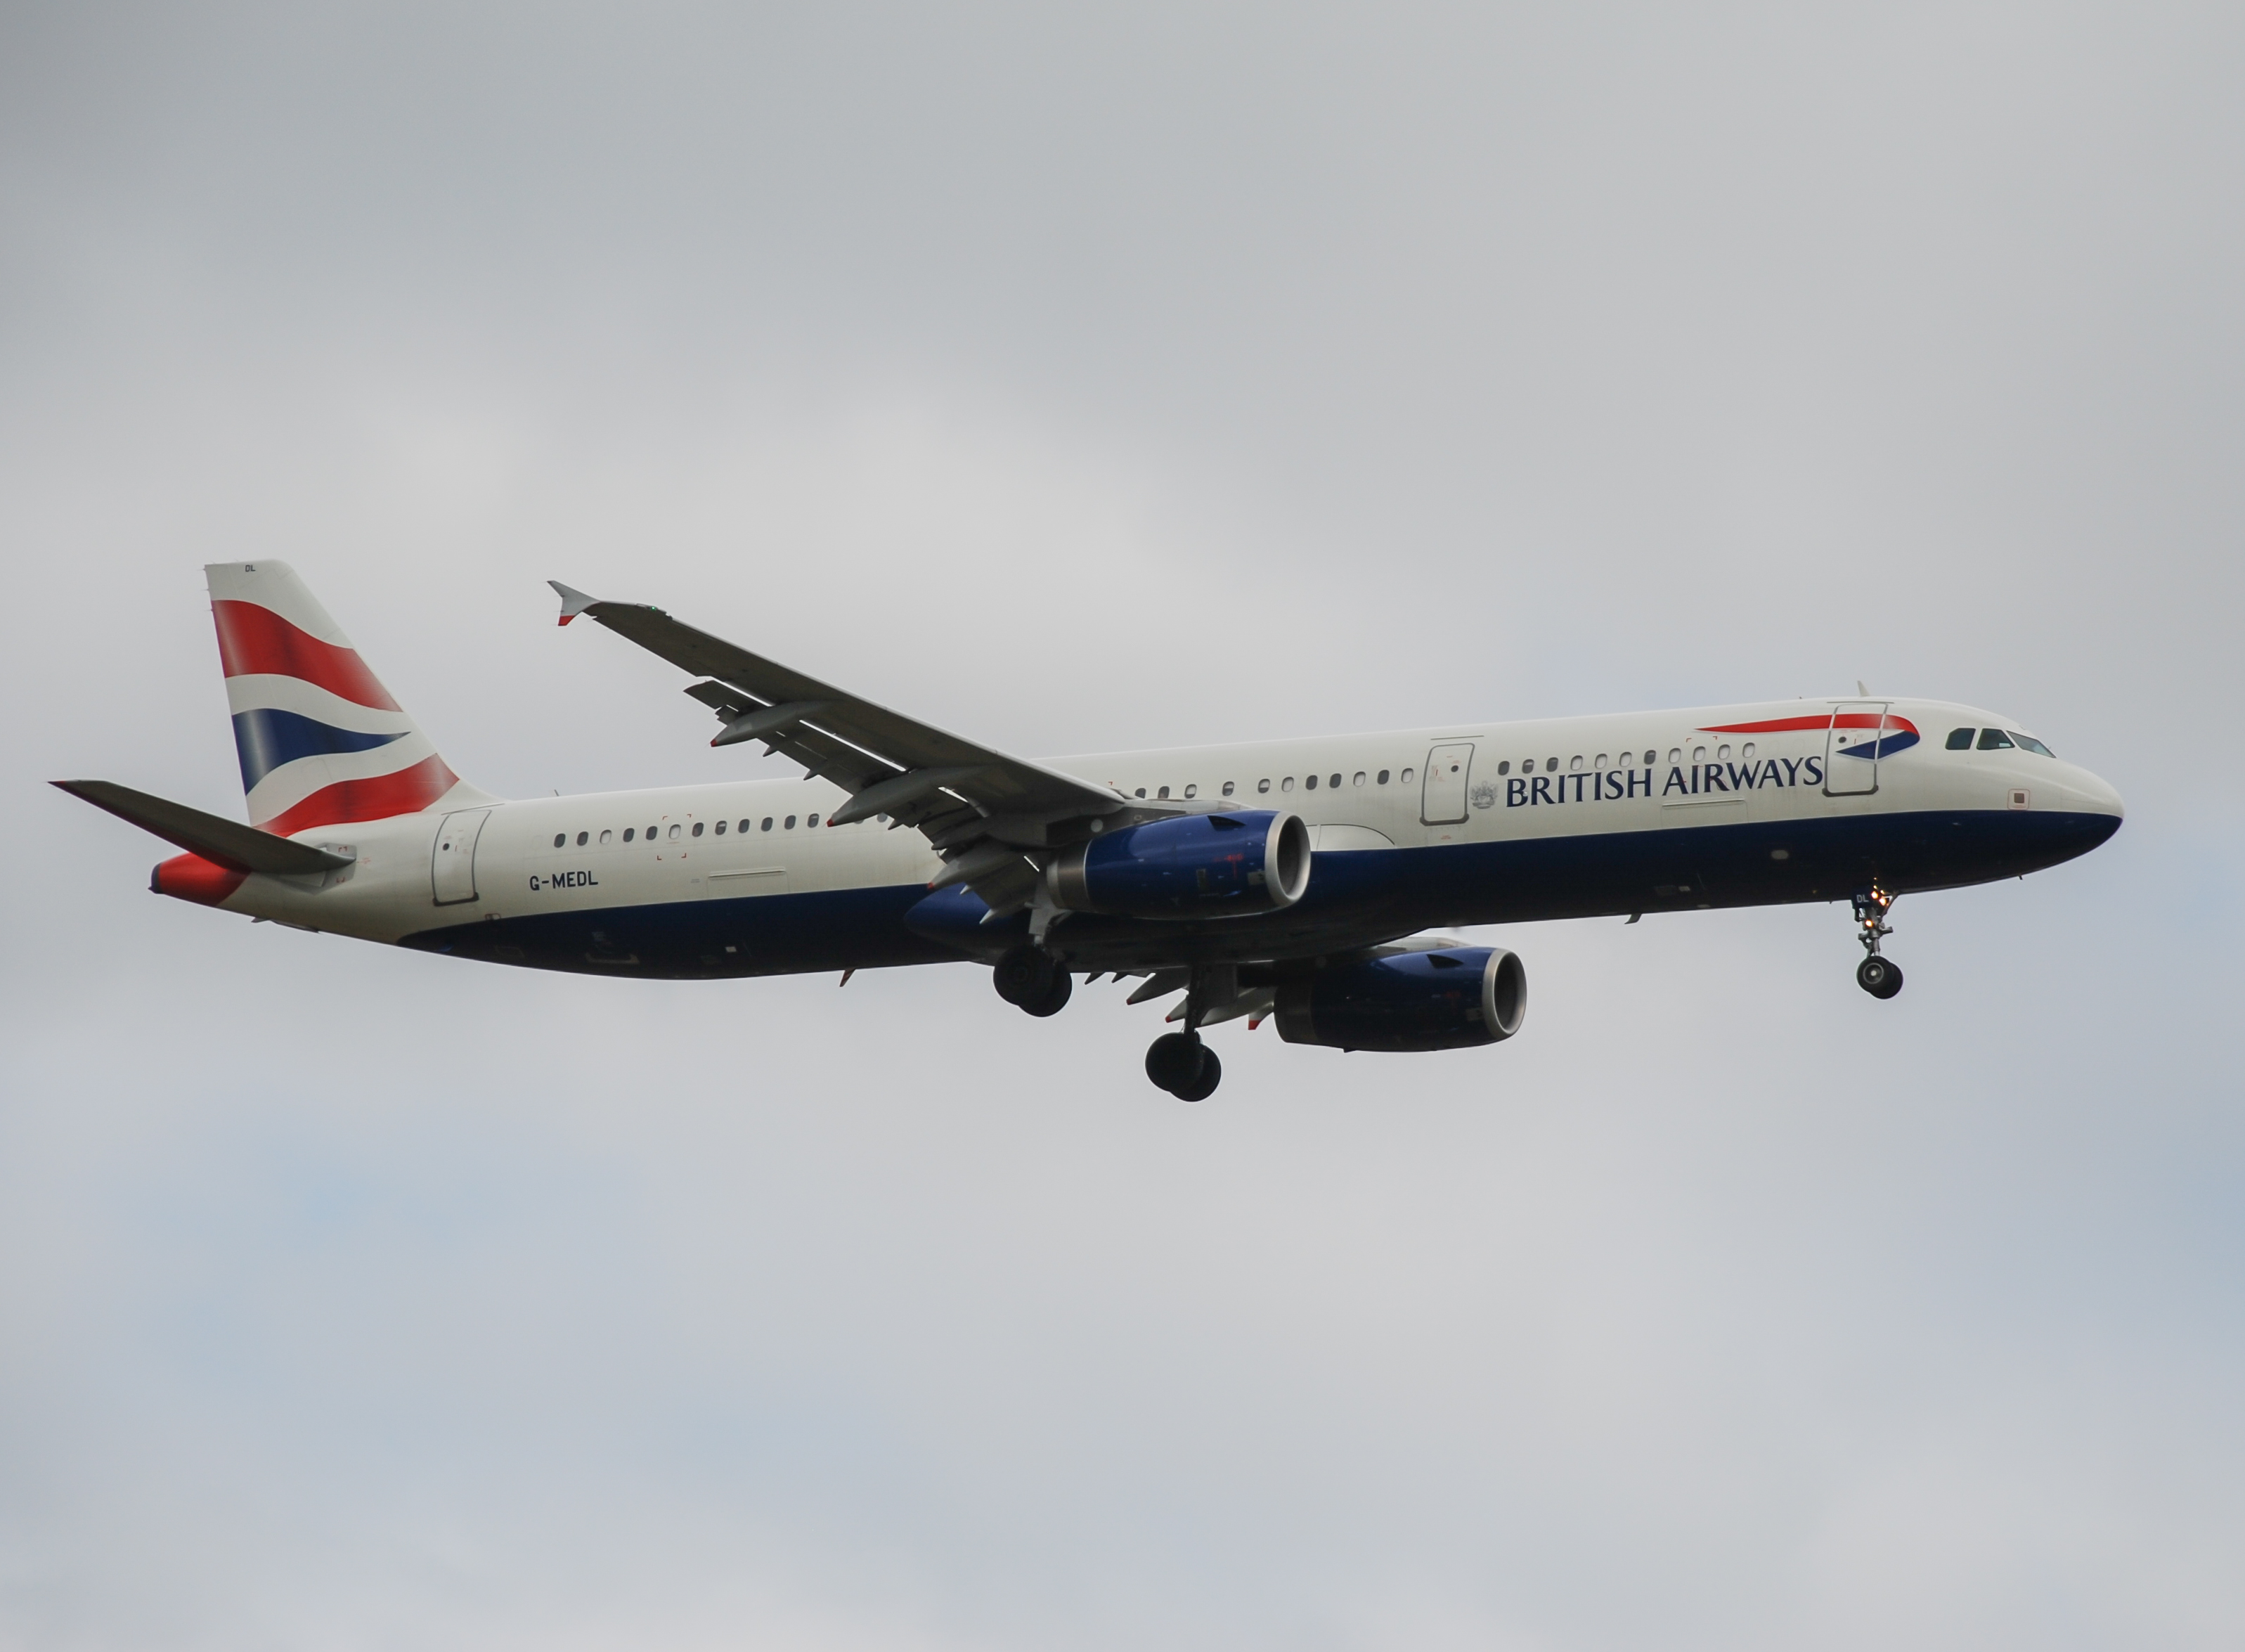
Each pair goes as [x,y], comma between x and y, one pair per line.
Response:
[1449,768]
[452,864]
[1851,747]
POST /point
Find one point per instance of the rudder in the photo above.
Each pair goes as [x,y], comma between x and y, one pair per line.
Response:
[320,739]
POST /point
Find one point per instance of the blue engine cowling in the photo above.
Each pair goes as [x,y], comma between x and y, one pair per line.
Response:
[1447,1000]
[1195,866]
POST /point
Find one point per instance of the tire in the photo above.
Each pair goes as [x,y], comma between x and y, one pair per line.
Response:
[1023,976]
[1173,1060]
[1881,977]
[1204,1082]
[1055,996]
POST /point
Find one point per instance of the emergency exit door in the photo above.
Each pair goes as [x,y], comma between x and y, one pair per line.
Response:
[1851,747]
[452,864]
[1448,767]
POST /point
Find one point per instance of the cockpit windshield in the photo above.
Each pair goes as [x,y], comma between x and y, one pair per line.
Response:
[1995,740]
[2032,745]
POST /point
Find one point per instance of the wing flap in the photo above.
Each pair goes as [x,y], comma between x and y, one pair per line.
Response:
[916,775]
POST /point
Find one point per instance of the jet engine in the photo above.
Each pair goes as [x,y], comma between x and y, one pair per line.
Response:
[1452,999]
[1192,866]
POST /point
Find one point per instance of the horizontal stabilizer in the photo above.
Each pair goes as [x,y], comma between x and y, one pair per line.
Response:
[227,843]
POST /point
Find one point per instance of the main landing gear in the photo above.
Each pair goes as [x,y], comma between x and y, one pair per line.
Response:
[1181,1064]
[1881,977]
[1032,979]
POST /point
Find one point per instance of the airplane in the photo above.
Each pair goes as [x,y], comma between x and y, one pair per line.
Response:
[1290,881]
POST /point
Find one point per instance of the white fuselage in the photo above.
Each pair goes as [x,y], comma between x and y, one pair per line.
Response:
[1491,785]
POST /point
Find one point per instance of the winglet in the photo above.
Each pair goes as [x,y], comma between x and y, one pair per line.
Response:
[573,602]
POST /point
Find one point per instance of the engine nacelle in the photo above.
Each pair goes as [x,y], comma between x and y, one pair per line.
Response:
[1448,1000]
[1192,865]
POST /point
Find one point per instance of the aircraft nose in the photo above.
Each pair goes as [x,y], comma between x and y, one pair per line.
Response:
[2097,795]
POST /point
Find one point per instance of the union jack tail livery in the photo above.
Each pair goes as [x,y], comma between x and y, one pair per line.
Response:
[320,739]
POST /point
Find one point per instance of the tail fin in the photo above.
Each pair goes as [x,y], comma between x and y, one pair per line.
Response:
[320,739]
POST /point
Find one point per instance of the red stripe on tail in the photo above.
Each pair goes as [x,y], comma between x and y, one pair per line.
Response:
[254,641]
[407,791]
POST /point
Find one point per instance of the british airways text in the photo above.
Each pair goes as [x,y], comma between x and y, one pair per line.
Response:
[1700,778]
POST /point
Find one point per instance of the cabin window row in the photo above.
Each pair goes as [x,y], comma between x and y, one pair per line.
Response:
[1309,782]
[1627,759]
[678,829]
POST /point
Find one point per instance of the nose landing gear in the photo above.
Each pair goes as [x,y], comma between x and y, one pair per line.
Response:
[1879,976]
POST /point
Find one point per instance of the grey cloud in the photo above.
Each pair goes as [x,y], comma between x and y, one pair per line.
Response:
[1086,380]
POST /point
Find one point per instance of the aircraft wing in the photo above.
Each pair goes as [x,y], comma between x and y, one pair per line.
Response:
[981,809]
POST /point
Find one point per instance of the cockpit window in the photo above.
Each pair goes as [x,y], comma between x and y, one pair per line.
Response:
[2033,745]
[1995,740]
[1961,739]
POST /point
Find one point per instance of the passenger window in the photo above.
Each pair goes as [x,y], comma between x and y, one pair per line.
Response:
[1550,766]
[1359,779]
[767,825]
[1723,752]
[1311,784]
[744,825]
[1995,740]
[650,834]
[1961,739]
[1227,788]
[697,827]
[1698,754]
[627,834]
[674,829]
[1502,768]
[1163,793]
[788,824]
[1675,754]
[1651,758]
[1334,781]
[1575,763]
[1746,751]
[2033,745]
[1286,784]
[560,837]
[1262,786]
[1142,791]
[1383,778]
[607,837]
[1600,761]
[1191,790]
[721,828]
[809,820]
[1406,777]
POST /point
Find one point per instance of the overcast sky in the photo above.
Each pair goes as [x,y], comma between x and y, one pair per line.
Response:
[1083,379]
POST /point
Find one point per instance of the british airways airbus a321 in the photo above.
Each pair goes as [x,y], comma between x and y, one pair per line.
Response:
[1291,880]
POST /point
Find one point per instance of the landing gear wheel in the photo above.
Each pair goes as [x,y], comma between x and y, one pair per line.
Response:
[1181,1064]
[1055,996]
[1205,1083]
[1881,977]
[1024,977]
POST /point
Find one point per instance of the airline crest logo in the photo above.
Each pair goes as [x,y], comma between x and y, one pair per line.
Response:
[319,739]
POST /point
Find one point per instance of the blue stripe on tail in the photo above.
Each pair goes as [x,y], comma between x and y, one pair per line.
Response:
[264,739]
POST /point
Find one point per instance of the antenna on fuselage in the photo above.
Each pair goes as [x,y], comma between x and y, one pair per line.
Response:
[1861,693]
